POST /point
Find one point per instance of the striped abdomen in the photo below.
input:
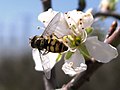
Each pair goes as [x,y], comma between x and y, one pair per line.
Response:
[56,46]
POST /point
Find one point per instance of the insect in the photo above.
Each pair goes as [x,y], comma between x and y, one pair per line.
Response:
[48,43]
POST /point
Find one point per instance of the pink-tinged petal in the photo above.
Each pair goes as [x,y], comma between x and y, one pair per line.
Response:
[100,51]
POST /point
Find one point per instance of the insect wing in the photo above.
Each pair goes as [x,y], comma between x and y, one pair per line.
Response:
[48,61]
[42,62]
[52,25]
[58,26]
[45,61]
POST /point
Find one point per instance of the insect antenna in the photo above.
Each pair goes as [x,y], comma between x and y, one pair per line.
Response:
[38,27]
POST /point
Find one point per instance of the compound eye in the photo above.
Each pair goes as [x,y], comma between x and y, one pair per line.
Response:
[42,42]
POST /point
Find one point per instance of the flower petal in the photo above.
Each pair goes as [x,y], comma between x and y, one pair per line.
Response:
[51,57]
[76,58]
[68,69]
[47,16]
[58,24]
[78,22]
[36,58]
[62,28]
[100,51]
[83,20]
[75,64]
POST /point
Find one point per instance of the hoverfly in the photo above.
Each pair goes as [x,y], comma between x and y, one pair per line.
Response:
[48,44]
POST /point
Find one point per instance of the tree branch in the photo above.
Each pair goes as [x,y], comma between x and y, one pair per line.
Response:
[80,79]
[110,14]
[50,83]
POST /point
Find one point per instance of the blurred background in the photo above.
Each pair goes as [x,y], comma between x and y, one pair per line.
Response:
[18,22]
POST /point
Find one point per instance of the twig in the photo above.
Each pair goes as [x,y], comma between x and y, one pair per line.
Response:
[110,14]
[81,5]
[111,29]
[81,78]
[50,83]
[46,4]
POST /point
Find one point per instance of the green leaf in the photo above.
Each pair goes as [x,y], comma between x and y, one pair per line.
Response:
[82,48]
[89,30]
[59,57]
[68,55]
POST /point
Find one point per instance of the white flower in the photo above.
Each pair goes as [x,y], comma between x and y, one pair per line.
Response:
[73,25]
[78,22]
[93,48]
[99,51]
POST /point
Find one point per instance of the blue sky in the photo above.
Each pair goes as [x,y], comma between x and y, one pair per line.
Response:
[10,9]
[14,12]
